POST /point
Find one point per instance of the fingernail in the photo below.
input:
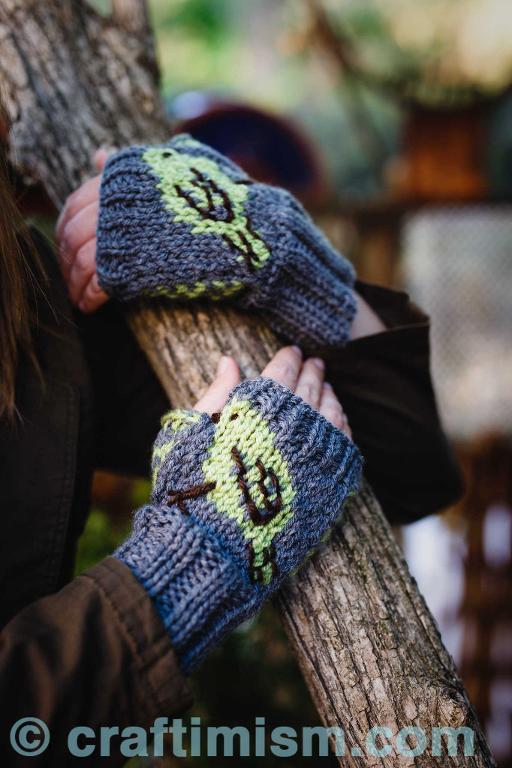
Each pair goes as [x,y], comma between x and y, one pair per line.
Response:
[327,384]
[297,349]
[318,363]
[222,365]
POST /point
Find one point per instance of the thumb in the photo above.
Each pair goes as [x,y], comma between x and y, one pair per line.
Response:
[215,397]
[100,158]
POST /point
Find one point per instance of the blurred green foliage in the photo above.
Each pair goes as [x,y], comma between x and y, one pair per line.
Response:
[195,40]
[99,539]
[201,18]
[104,531]
[252,52]
[438,53]
[249,52]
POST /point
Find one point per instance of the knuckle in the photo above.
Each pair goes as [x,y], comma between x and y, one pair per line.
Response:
[72,204]
[89,292]
[285,369]
[302,390]
[83,259]
[69,202]
[308,390]
[63,259]
[68,234]
[314,380]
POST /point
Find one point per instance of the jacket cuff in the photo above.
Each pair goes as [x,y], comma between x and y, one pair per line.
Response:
[159,685]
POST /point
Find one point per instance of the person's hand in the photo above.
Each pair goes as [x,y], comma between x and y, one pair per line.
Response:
[239,498]
[76,240]
[219,233]
[305,378]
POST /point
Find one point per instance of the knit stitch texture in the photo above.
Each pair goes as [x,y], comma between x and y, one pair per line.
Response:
[182,221]
[239,501]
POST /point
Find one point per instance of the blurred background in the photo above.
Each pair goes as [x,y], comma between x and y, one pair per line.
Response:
[392,121]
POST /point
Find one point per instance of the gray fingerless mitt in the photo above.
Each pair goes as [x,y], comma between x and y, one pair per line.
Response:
[239,500]
[182,221]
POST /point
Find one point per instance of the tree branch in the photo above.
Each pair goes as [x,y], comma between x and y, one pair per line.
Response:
[363,636]
[132,16]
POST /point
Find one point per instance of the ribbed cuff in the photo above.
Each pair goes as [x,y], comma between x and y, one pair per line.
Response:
[300,431]
[127,193]
[197,589]
[310,312]
[305,291]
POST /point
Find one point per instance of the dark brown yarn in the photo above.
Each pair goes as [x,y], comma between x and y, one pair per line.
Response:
[272,508]
[206,186]
[179,497]
[210,187]
[256,572]
[190,200]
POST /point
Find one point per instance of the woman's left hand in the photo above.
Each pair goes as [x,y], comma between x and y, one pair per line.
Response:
[76,240]
[287,367]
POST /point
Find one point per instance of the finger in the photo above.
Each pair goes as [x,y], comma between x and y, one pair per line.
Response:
[310,382]
[82,269]
[215,397]
[93,296]
[285,367]
[331,409]
[86,194]
[65,263]
[78,231]
[100,158]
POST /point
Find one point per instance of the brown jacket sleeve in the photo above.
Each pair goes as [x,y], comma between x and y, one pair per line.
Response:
[93,654]
[385,386]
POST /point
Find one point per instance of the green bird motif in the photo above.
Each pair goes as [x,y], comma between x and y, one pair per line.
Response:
[245,476]
[253,485]
[198,192]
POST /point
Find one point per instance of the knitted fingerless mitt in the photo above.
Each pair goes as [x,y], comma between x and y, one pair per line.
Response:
[239,500]
[183,221]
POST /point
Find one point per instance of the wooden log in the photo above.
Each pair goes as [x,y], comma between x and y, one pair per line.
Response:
[365,641]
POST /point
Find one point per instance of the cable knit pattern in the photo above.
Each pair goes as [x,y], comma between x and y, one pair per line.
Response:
[239,500]
[182,221]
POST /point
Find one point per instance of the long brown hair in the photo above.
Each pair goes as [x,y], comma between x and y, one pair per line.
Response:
[19,273]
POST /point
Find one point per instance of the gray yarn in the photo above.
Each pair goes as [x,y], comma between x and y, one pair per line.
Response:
[239,500]
[181,220]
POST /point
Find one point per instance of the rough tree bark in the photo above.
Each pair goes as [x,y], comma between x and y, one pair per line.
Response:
[363,636]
